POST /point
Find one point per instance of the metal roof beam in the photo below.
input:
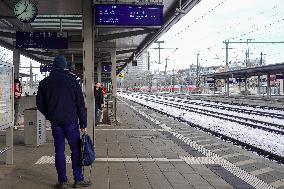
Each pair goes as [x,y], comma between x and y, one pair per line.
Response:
[105,45]
[125,34]
[69,17]
[8,34]
[43,53]
[23,52]
[125,51]
[263,70]
[75,45]
[122,60]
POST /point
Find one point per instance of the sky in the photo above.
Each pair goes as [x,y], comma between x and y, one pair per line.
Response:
[7,55]
[204,29]
[208,24]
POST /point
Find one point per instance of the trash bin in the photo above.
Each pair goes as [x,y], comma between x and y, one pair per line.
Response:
[35,129]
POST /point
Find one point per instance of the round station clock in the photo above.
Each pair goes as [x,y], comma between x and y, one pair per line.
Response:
[25,10]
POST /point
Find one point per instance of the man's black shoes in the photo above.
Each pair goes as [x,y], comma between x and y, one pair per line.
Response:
[61,185]
[81,184]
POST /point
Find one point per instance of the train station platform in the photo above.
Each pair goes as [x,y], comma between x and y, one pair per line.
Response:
[148,150]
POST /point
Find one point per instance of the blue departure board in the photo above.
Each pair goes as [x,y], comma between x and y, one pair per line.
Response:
[106,68]
[129,15]
[42,40]
[46,68]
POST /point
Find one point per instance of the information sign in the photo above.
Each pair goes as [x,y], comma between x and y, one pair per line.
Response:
[129,15]
[210,80]
[6,95]
[46,68]
[106,68]
[43,68]
[42,40]
[121,75]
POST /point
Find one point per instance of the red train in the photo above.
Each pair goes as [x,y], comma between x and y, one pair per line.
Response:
[176,88]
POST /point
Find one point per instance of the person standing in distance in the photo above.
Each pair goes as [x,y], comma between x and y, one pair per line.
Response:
[60,99]
[99,100]
[18,89]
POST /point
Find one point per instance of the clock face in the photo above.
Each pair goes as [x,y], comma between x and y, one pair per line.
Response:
[25,11]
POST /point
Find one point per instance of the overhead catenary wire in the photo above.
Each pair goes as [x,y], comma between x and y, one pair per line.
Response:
[190,25]
[251,27]
[201,17]
[253,31]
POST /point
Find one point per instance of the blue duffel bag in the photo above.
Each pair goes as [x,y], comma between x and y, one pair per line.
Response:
[88,154]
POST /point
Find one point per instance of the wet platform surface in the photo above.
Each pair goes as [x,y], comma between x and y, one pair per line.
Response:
[148,150]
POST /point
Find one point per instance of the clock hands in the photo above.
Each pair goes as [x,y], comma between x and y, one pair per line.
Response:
[23,10]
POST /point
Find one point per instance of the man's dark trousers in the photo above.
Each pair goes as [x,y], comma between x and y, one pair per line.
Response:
[72,134]
[97,108]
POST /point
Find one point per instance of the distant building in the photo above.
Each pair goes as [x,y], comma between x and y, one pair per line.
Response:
[192,72]
[136,75]
[237,65]
[142,64]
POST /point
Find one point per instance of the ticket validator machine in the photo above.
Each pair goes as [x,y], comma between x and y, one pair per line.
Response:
[35,130]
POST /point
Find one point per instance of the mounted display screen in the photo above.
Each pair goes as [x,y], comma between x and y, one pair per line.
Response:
[129,15]
[106,68]
[42,40]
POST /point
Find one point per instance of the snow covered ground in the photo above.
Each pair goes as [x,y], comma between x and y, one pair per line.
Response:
[243,107]
[262,139]
[215,111]
[181,101]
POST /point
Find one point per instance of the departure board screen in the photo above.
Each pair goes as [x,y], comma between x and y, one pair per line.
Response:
[129,15]
[42,40]
[106,68]
[6,95]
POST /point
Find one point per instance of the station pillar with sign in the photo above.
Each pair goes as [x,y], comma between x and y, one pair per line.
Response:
[7,109]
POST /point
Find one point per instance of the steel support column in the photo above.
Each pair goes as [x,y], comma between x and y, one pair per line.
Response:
[88,63]
[258,84]
[246,87]
[99,71]
[16,62]
[283,83]
[31,76]
[10,146]
[227,53]
[268,85]
[114,84]
[214,90]
[73,66]
[240,88]
[228,86]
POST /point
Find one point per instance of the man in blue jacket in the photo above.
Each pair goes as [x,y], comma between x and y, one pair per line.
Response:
[61,101]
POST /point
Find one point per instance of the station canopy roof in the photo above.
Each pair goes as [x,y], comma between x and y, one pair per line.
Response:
[68,14]
[248,72]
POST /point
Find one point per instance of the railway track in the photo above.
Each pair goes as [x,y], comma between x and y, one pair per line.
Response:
[279,129]
[238,110]
[245,145]
[235,109]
